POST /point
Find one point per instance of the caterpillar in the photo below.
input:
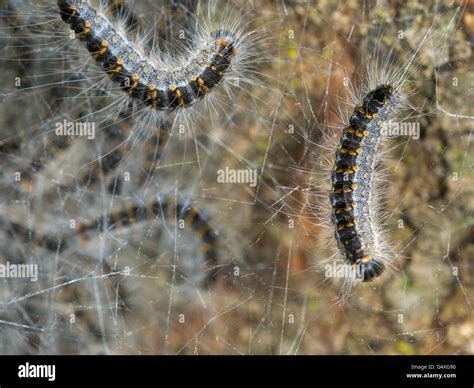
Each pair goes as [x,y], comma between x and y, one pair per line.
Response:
[351,178]
[165,87]
[91,173]
[347,182]
[76,86]
[166,208]
[144,73]
[218,53]
[355,177]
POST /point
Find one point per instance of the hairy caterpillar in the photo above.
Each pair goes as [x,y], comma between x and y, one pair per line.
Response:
[351,198]
[161,87]
[167,208]
[92,173]
[129,72]
[347,185]
[77,88]
[354,178]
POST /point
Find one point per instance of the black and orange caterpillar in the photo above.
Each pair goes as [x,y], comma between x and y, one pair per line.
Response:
[352,181]
[178,86]
[167,208]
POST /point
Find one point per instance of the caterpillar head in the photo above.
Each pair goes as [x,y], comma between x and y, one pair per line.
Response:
[369,270]
[382,93]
